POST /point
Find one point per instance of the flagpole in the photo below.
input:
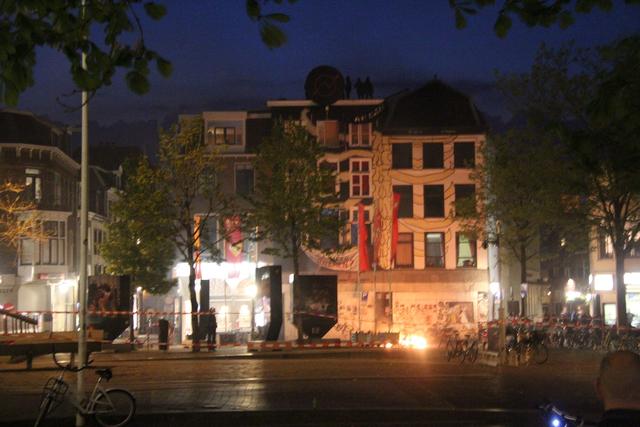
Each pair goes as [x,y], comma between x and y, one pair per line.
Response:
[358,288]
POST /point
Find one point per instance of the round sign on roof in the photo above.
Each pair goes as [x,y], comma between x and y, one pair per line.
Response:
[324,85]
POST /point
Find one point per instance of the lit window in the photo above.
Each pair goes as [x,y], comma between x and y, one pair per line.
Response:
[223,135]
[360,170]
[466,251]
[605,247]
[434,249]
[33,181]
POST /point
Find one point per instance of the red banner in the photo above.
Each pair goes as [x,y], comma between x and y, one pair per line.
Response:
[233,243]
[394,228]
[363,239]
[377,231]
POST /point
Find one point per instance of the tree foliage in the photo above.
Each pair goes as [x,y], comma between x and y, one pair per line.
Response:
[294,205]
[139,232]
[109,32]
[524,187]
[17,217]
[270,31]
[531,12]
[187,175]
[67,27]
[588,101]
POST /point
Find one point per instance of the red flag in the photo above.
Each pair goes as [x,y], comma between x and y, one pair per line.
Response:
[233,243]
[377,231]
[363,238]
[394,228]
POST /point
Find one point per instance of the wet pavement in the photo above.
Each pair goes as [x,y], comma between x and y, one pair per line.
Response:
[322,387]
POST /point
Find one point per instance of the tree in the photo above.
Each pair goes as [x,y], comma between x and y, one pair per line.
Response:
[607,151]
[69,28]
[187,175]
[294,205]
[139,232]
[532,12]
[522,185]
[17,217]
[588,100]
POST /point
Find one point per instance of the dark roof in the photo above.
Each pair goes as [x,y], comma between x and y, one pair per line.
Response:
[24,128]
[435,108]
[110,156]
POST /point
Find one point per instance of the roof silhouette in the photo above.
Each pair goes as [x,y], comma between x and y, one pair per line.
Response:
[435,108]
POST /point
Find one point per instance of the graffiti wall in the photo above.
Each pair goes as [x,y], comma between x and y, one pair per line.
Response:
[411,313]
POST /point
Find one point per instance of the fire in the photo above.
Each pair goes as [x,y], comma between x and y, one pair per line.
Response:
[414,341]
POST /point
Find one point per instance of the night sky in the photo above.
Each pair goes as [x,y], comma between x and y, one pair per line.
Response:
[220,62]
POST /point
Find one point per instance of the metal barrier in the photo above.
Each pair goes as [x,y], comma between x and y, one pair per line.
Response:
[16,323]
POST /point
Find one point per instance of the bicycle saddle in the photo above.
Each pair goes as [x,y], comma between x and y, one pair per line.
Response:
[104,373]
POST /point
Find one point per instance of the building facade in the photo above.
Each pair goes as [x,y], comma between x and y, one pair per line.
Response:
[422,145]
[42,276]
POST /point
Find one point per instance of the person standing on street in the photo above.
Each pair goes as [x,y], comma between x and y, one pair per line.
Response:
[211,330]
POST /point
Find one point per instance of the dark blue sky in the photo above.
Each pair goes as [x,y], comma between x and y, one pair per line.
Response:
[220,62]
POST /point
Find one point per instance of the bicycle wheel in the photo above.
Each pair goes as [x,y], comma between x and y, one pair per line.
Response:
[472,353]
[45,405]
[451,349]
[114,408]
[540,354]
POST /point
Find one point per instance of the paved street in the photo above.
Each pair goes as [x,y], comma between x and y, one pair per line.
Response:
[353,387]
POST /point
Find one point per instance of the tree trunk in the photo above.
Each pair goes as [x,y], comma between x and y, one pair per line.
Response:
[523,277]
[621,302]
[195,330]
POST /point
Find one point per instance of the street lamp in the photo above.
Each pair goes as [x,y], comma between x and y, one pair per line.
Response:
[251,291]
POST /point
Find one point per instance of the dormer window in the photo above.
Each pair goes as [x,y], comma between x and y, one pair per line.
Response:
[224,136]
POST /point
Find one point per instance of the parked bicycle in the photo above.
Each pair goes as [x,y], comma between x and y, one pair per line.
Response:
[527,346]
[466,349]
[109,407]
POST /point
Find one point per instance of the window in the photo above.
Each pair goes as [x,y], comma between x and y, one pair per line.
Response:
[464,154]
[328,132]
[635,249]
[434,249]
[405,210]
[28,253]
[98,238]
[360,134]
[605,247]
[404,254]
[433,155]
[401,156]
[434,201]
[360,178]
[223,135]
[33,181]
[354,225]
[465,192]
[52,250]
[57,189]
[244,179]
[466,251]
[330,240]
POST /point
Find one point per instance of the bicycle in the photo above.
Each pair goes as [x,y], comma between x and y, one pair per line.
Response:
[466,349]
[109,407]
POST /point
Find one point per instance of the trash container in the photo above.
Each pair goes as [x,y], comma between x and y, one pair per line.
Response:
[163,334]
